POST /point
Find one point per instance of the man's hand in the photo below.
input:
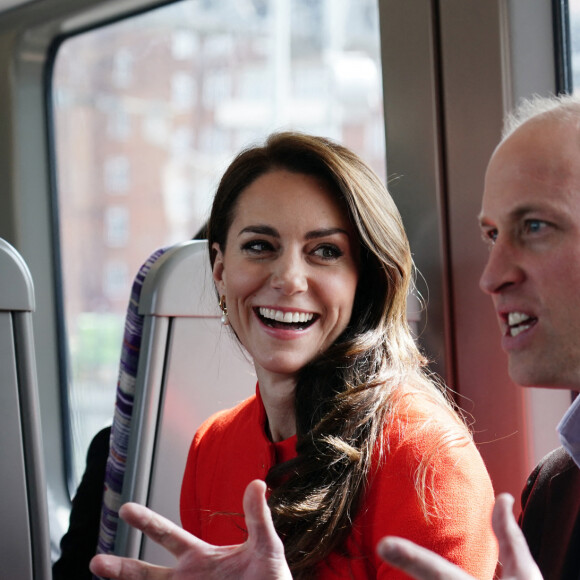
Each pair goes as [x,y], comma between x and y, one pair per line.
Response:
[422,564]
[261,557]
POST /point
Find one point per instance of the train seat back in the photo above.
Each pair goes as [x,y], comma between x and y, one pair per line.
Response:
[25,543]
[125,397]
[189,366]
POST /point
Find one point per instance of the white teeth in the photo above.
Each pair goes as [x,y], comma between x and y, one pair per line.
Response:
[516,318]
[514,331]
[518,322]
[286,317]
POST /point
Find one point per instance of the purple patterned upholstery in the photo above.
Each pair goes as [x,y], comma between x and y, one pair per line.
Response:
[123,411]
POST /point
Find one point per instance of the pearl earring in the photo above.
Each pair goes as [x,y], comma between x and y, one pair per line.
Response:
[224,309]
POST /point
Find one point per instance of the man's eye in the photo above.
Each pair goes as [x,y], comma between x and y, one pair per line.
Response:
[534,226]
[489,236]
[328,252]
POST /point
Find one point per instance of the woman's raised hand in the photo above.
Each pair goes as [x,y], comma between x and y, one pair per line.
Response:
[261,557]
[422,564]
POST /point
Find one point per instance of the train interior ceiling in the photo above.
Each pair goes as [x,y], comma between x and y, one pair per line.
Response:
[119,115]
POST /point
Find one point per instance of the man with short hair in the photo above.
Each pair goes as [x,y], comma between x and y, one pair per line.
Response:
[531,219]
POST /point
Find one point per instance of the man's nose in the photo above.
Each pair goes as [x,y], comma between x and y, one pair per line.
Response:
[502,269]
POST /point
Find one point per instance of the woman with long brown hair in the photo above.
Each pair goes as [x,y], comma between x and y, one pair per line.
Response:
[353,438]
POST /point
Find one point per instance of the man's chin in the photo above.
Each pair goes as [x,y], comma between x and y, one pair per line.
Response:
[532,375]
[524,372]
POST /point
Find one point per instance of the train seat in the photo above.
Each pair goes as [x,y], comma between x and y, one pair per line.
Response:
[187,366]
[25,545]
[119,441]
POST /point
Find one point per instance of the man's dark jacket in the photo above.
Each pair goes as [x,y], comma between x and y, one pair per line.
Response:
[550,516]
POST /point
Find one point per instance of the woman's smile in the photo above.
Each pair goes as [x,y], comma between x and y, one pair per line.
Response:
[287,320]
[289,270]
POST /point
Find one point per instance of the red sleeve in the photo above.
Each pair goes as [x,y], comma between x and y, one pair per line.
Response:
[223,458]
[459,502]
[188,506]
[455,518]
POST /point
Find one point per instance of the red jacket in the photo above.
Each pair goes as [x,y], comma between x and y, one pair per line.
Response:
[231,449]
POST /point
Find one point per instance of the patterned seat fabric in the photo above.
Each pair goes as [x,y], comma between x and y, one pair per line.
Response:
[117,459]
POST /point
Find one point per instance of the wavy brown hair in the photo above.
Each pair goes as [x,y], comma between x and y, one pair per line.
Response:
[347,395]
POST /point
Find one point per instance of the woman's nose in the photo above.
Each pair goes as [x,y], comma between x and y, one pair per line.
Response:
[502,269]
[289,275]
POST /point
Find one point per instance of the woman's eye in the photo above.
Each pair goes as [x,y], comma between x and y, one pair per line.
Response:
[328,252]
[257,247]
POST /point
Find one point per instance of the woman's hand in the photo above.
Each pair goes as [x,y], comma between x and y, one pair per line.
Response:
[261,557]
[422,564]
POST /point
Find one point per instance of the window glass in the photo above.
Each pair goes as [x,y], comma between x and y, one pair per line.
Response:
[148,113]
[574,16]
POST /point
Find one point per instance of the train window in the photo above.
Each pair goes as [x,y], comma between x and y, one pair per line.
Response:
[574,45]
[147,113]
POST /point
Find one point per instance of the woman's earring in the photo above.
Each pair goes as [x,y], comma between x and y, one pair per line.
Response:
[224,309]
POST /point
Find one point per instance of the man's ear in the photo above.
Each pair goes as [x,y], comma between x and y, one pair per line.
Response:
[218,271]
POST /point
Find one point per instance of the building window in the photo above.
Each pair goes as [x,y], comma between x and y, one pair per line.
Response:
[183,91]
[116,226]
[119,124]
[115,279]
[117,174]
[122,68]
